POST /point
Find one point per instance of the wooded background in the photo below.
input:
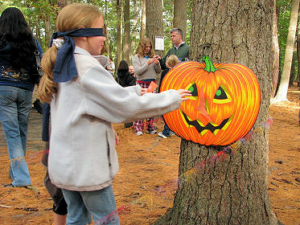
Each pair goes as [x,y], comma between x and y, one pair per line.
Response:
[129,20]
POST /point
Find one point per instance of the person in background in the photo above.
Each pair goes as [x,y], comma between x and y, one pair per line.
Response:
[180,48]
[17,69]
[131,71]
[146,66]
[85,101]
[125,79]
[172,61]
[111,66]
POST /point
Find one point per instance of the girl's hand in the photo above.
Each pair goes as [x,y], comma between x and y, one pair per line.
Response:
[143,91]
[116,137]
[184,93]
[150,61]
[156,61]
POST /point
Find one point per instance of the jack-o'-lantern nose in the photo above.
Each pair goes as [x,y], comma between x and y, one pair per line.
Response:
[204,117]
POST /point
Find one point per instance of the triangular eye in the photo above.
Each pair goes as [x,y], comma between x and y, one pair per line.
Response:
[220,94]
[193,90]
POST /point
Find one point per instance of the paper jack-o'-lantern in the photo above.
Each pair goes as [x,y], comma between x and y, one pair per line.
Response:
[224,104]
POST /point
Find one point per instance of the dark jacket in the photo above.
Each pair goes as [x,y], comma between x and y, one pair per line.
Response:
[10,77]
[125,79]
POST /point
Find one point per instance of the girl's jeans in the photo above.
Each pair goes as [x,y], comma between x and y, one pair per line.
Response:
[100,204]
[15,105]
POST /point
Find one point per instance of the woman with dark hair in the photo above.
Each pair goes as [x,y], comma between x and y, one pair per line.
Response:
[124,78]
[17,67]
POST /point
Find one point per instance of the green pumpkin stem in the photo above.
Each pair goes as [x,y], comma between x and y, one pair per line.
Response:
[209,66]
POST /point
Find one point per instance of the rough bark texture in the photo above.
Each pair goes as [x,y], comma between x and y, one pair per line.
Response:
[298,53]
[154,21]
[229,188]
[180,15]
[281,94]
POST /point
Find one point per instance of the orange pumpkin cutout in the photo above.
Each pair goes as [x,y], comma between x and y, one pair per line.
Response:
[224,104]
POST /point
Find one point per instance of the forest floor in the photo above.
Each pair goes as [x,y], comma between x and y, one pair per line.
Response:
[149,164]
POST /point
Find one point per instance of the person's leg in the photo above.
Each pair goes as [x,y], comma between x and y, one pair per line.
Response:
[151,129]
[77,212]
[9,119]
[59,219]
[102,205]
[138,127]
[166,130]
[24,106]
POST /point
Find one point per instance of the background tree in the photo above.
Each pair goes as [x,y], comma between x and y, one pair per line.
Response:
[233,190]
[143,19]
[126,46]
[154,21]
[281,95]
[275,47]
[119,4]
[180,15]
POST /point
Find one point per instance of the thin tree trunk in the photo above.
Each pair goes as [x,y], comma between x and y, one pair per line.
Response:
[126,46]
[216,188]
[276,50]
[298,53]
[135,34]
[180,15]
[281,95]
[143,19]
[119,31]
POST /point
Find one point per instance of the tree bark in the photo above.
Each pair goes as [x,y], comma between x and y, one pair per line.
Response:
[281,95]
[134,31]
[298,53]
[276,50]
[126,46]
[217,186]
[154,21]
[180,15]
[119,31]
[143,20]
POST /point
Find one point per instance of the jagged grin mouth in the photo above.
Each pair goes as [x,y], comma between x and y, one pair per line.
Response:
[209,127]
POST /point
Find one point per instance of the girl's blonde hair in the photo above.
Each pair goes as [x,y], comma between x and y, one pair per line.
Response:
[172,61]
[141,47]
[71,17]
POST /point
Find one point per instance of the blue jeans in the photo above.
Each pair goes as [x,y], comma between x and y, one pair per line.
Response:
[166,130]
[15,105]
[101,204]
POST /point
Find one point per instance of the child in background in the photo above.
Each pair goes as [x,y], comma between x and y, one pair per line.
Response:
[171,61]
[85,101]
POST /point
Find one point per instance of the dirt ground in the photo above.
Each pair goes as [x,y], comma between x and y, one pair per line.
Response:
[146,183]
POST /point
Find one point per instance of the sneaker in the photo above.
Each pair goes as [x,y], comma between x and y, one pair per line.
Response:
[160,134]
[151,131]
[172,133]
[139,133]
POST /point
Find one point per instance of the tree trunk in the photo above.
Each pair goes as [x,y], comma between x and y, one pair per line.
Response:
[143,20]
[154,21]
[48,30]
[275,48]
[180,15]
[126,46]
[298,53]
[228,185]
[134,31]
[119,31]
[281,95]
